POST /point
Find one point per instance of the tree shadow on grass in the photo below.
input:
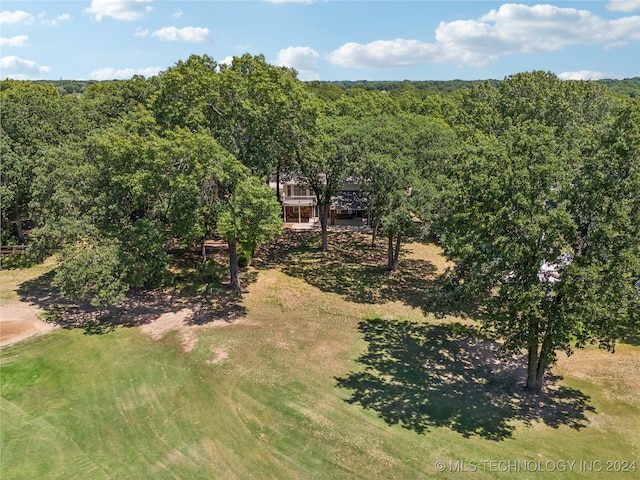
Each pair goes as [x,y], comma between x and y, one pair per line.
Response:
[141,306]
[422,376]
[352,267]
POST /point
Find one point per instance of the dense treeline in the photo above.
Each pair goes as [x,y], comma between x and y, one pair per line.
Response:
[628,86]
[531,184]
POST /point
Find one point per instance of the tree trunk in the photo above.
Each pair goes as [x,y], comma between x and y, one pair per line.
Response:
[374,233]
[19,232]
[538,359]
[390,264]
[532,385]
[536,368]
[322,210]
[393,253]
[278,192]
[234,271]
[396,252]
[204,253]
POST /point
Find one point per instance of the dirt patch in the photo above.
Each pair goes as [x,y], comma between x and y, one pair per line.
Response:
[19,321]
[171,321]
[182,322]
[221,354]
[167,322]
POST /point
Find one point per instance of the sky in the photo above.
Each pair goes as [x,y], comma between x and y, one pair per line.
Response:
[323,39]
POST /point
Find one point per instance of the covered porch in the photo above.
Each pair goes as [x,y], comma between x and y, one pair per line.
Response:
[299,210]
[349,207]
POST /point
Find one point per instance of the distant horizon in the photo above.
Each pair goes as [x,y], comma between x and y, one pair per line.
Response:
[52,80]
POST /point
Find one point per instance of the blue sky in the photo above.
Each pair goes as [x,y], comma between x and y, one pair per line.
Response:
[323,39]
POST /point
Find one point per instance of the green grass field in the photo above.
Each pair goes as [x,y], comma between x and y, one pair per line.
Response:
[331,371]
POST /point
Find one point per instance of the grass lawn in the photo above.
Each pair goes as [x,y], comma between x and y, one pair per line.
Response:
[329,369]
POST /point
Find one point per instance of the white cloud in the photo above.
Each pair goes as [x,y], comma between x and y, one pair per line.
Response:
[119,9]
[186,34]
[383,54]
[521,29]
[19,16]
[109,73]
[226,61]
[17,41]
[141,32]
[65,17]
[302,59]
[20,69]
[511,29]
[587,75]
[177,14]
[623,5]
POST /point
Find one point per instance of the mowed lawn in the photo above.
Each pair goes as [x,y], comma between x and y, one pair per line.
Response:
[329,368]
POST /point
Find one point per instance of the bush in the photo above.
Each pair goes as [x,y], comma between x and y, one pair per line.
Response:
[245,253]
[91,272]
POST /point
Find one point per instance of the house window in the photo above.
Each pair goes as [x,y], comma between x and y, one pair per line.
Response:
[299,191]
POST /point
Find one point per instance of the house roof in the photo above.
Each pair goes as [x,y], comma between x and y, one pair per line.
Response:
[349,200]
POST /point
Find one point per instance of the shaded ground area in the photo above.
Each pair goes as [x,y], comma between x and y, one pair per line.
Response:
[352,268]
[422,376]
[197,297]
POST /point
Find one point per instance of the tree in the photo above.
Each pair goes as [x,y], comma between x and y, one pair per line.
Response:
[106,101]
[63,204]
[250,216]
[34,117]
[185,93]
[256,111]
[93,272]
[261,112]
[103,203]
[325,161]
[605,206]
[401,158]
[524,209]
[359,103]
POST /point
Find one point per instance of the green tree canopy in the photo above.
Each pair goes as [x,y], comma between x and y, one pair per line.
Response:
[401,160]
[325,160]
[250,216]
[34,118]
[256,111]
[515,219]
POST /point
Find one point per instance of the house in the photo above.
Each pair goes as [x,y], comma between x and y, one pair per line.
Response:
[348,205]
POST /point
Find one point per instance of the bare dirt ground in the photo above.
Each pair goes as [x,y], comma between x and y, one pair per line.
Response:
[26,294]
[19,318]
[19,321]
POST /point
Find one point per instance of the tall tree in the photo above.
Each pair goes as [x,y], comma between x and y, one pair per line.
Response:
[260,113]
[257,111]
[515,221]
[123,194]
[34,118]
[185,93]
[325,160]
[605,206]
[401,159]
[250,216]
[105,101]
